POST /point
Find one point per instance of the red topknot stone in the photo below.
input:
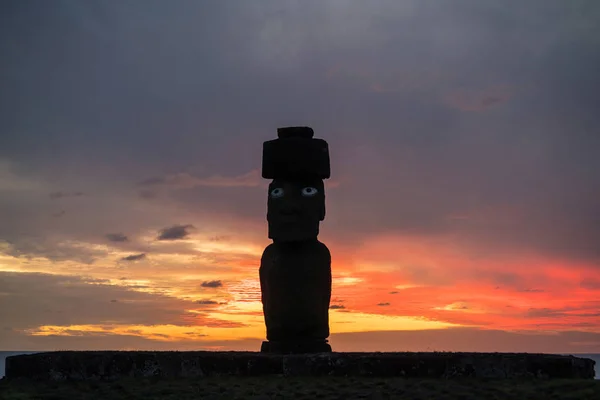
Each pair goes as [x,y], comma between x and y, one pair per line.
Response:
[296,132]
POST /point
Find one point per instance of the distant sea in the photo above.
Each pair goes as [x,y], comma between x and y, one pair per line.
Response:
[4,354]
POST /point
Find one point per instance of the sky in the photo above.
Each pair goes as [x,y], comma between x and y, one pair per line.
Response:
[463,212]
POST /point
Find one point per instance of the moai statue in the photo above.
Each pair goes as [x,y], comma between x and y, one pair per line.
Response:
[295,270]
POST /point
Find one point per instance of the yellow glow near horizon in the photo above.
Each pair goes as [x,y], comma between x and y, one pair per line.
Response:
[362,322]
[164,333]
[207,245]
[346,281]
[253,328]
[461,307]
[401,287]
[242,307]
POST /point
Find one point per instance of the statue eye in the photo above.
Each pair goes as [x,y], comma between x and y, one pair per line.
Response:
[277,192]
[309,191]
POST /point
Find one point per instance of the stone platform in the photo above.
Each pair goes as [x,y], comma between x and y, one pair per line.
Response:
[111,365]
[296,347]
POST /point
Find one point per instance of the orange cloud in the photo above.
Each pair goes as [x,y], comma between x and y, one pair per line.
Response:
[425,282]
[438,279]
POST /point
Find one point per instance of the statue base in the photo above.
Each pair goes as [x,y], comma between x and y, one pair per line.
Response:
[295,347]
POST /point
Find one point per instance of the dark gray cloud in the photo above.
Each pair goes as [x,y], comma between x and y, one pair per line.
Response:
[337,307]
[60,195]
[153,181]
[147,194]
[383,304]
[211,284]
[57,300]
[134,257]
[220,238]
[174,232]
[206,302]
[590,310]
[590,284]
[483,127]
[42,299]
[116,237]
[32,246]
[529,290]
[188,181]
[544,312]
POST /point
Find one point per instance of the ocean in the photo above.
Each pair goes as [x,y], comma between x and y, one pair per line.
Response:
[4,354]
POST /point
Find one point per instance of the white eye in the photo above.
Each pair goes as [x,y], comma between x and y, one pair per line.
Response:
[309,191]
[277,192]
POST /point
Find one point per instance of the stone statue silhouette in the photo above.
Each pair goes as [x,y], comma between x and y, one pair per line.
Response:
[295,270]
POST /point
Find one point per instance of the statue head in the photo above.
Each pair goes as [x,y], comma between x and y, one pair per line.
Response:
[297,163]
[295,208]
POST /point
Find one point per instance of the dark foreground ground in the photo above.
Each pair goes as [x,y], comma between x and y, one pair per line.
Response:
[325,388]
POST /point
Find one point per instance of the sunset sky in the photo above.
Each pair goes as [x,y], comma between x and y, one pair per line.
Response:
[463,212]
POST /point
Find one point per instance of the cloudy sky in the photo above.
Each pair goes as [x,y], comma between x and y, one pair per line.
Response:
[463,211]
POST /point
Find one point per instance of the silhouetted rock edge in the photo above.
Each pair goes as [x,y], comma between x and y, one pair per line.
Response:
[111,365]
